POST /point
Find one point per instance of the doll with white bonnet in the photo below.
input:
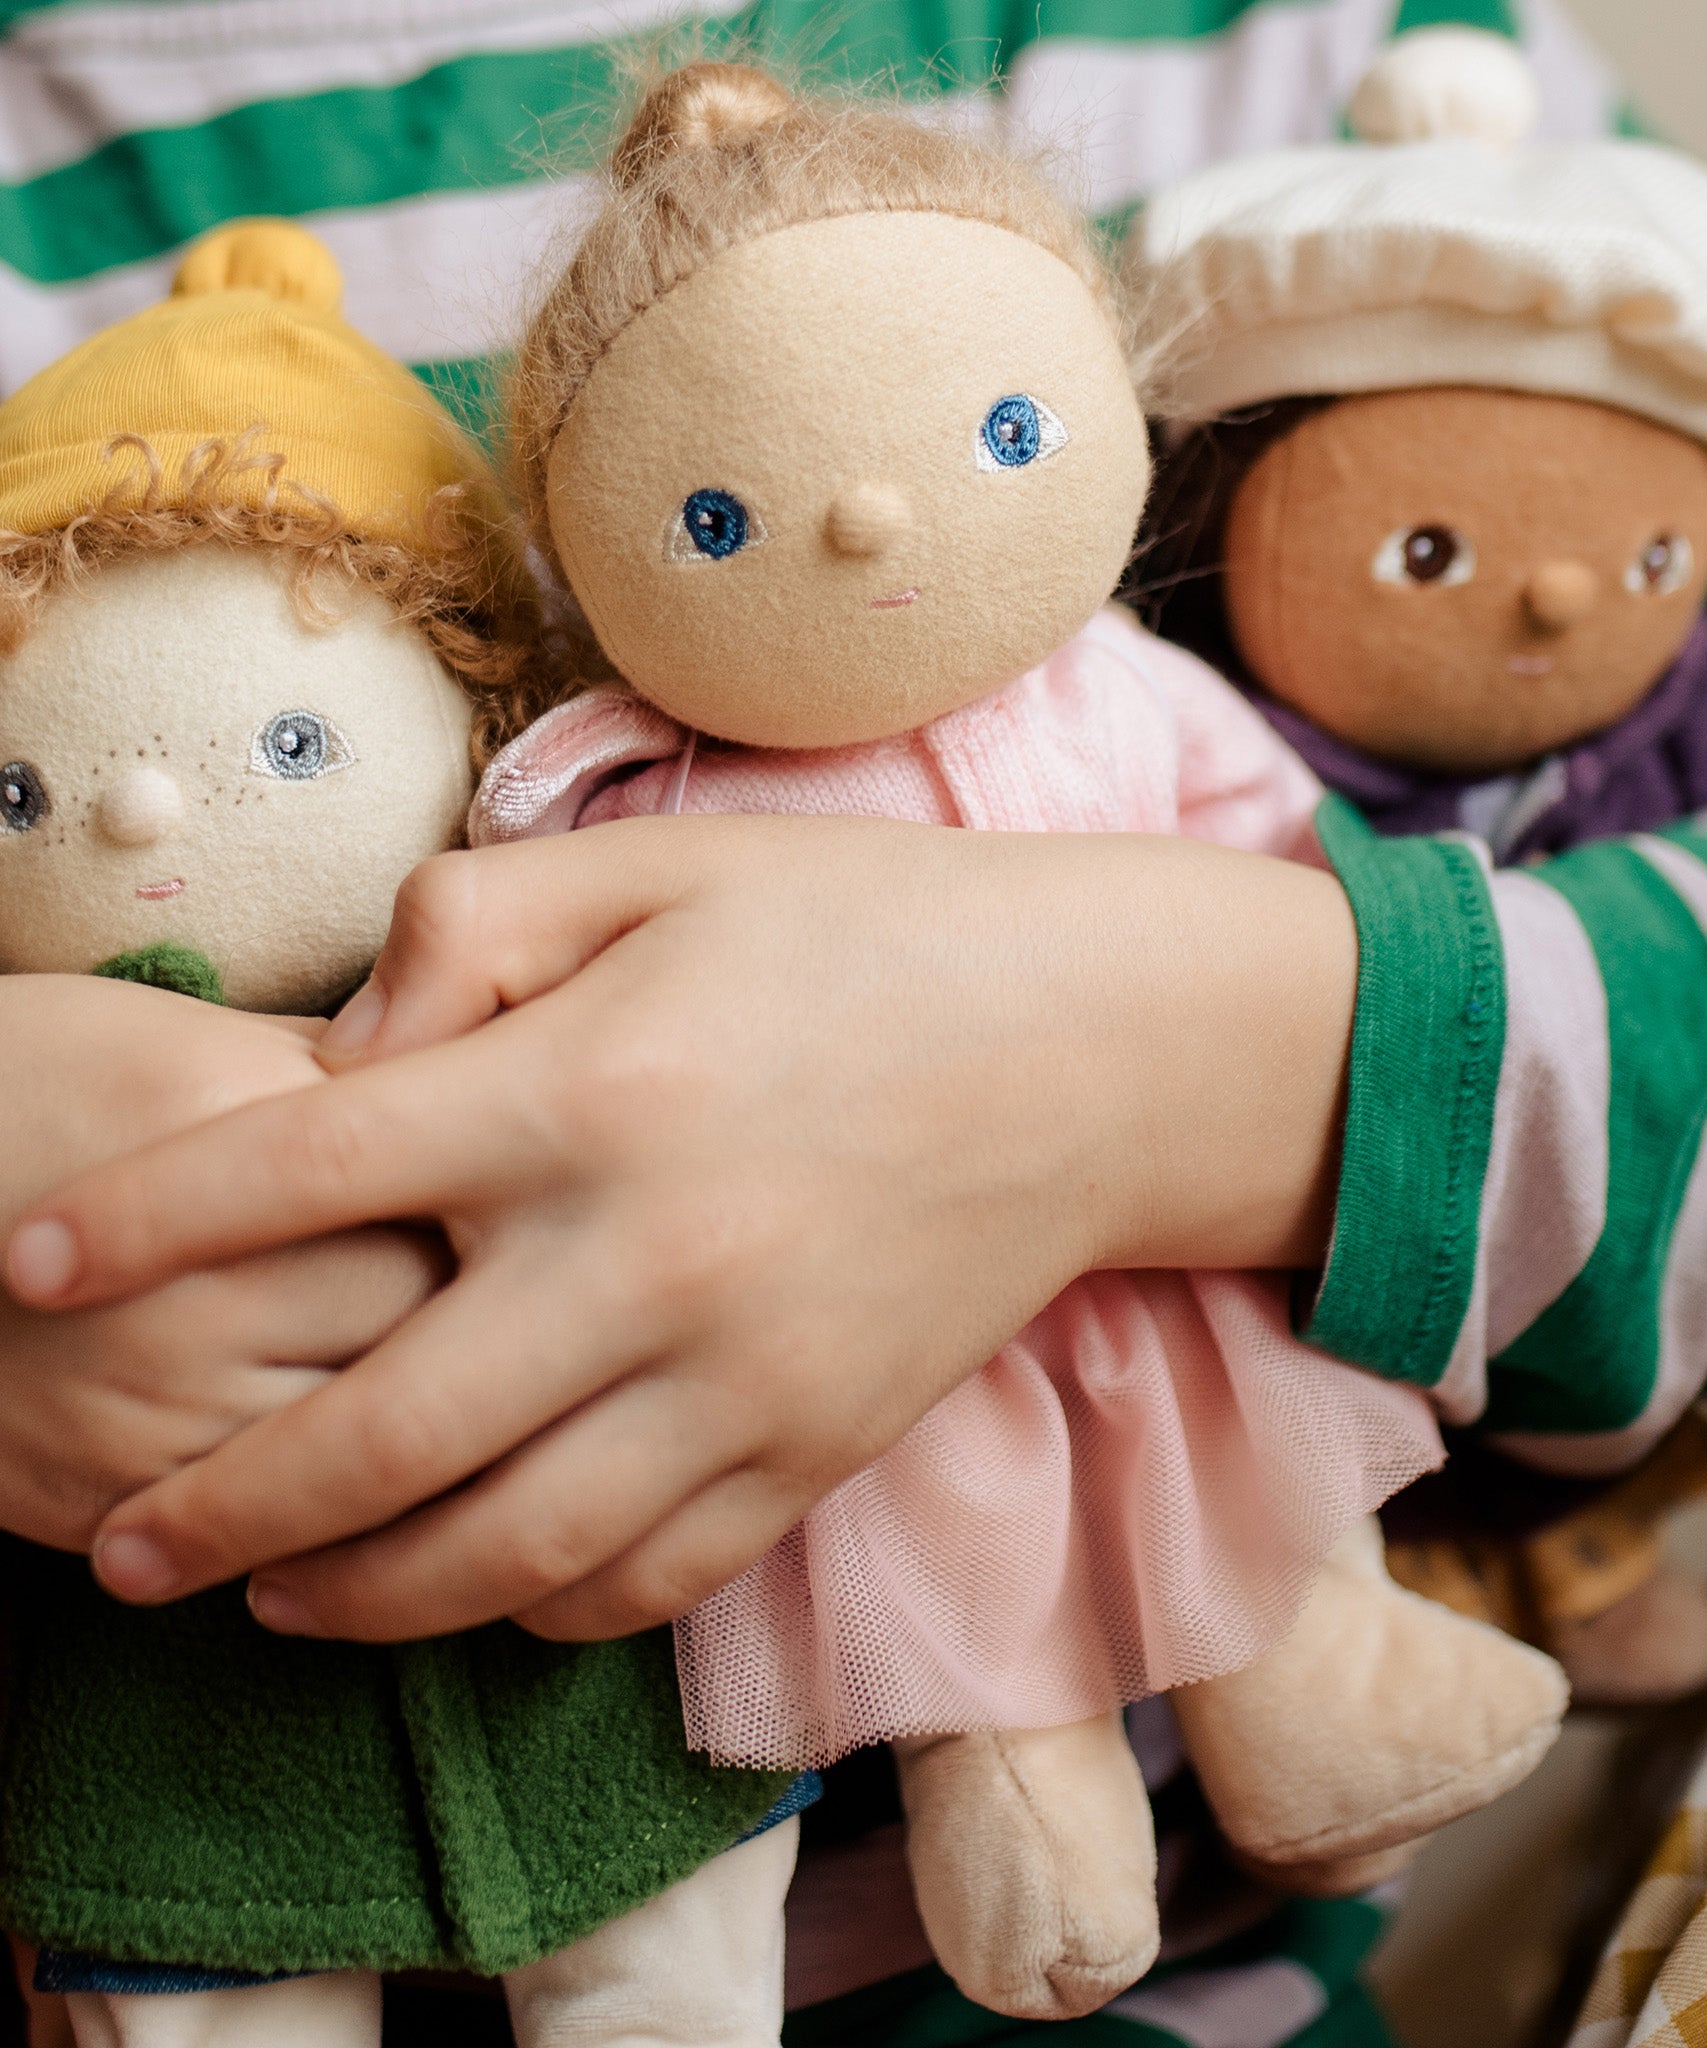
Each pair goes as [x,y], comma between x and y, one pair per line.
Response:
[828,427]
[1438,501]
[258,598]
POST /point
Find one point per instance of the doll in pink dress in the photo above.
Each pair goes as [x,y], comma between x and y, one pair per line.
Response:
[829,428]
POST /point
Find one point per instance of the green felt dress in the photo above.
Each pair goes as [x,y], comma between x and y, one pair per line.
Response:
[179,1786]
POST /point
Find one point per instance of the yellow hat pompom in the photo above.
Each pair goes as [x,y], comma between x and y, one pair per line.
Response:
[272,256]
[252,342]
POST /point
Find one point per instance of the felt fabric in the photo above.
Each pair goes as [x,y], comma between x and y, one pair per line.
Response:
[900,333]
[181,665]
[1644,770]
[177,1784]
[1577,270]
[251,336]
[181,969]
[1459,672]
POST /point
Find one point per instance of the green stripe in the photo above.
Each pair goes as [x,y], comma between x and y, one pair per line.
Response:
[1589,1362]
[497,118]
[1492,14]
[1425,1068]
[471,390]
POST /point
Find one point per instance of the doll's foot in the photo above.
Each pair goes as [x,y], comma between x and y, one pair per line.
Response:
[1643,1650]
[1377,1720]
[1034,1863]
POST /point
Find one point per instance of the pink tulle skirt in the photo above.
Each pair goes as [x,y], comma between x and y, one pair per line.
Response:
[1133,1495]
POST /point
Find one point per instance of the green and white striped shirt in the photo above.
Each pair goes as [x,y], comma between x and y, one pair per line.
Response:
[1522,1225]
[440,145]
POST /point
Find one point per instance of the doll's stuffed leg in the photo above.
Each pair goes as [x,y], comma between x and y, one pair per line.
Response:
[1034,1863]
[337,2010]
[699,1966]
[1379,1718]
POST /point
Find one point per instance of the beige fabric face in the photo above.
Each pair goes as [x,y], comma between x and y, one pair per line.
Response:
[1466,673]
[835,377]
[143,705]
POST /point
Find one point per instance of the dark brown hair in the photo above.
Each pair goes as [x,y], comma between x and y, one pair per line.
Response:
[1175,582]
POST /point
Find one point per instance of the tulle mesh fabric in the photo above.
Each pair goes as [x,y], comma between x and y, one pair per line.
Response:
[1133,1495]
[1137,1491]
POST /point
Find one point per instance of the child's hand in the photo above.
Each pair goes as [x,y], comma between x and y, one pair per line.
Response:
[832,1109]
[95,1405]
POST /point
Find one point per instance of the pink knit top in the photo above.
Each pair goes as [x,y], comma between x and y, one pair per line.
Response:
[1136,1491]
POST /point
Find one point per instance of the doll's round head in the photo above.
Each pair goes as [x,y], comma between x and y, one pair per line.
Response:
[242,660]
[1466,580]
[828,423]
[1485,537]
[186,761]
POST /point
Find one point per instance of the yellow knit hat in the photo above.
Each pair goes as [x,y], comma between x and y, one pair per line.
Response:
[251,338]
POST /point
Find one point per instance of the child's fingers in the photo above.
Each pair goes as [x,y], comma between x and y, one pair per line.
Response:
[399,1140]
[414,1418]
[704,1543]
[476,933]
[563,1506]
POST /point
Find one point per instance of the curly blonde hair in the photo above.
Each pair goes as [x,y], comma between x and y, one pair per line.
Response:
[468,591]
[717,154]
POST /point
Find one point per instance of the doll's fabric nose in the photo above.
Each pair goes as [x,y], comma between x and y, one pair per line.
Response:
[141,807]
[1559,594]
[867,520]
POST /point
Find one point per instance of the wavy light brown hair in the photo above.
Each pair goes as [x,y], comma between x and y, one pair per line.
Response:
[719,154]
[467,590]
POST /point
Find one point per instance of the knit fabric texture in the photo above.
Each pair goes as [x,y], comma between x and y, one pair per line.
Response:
[178,1785]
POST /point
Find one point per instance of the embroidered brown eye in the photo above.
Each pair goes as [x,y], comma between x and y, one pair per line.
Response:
[23,797]
[1664,565]
[1426,555]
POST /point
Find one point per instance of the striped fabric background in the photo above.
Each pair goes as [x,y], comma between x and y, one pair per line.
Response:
[439,144]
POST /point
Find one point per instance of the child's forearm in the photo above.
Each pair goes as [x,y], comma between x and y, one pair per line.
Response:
[1522,1219]
[835,1108]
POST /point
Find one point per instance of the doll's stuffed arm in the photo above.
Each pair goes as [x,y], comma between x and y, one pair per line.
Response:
[545,778]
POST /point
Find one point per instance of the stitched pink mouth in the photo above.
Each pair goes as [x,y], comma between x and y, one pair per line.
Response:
[1531,664]
[885,604]
[158,892]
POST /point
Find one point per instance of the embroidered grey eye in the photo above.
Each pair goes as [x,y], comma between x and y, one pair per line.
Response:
[23,797]
[1664,565]
[1426,555]
[299,746]
[1017,430]
[710,527]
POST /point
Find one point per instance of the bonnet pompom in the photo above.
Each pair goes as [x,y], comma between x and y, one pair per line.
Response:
[701,106]
[1447,84]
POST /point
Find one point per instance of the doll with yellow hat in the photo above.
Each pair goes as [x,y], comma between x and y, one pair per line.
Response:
[260,617]
[1437,499]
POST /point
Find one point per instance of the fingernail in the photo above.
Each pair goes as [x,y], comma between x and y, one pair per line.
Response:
[276,1607]
[41,1260]
[351,1032]
[133,1568]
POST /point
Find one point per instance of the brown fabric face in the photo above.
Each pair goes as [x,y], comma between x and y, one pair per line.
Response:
[833,380]
[1464,580]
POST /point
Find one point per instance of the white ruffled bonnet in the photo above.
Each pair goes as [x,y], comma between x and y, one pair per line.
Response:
[1441,247]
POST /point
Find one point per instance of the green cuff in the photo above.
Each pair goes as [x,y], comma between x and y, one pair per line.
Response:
[1425,1069]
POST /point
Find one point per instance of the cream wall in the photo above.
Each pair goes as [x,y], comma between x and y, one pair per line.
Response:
[1660,50]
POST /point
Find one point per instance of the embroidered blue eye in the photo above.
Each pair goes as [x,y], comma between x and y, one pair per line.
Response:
[1017,430]
[23,797]
[713,523]
[299,746]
